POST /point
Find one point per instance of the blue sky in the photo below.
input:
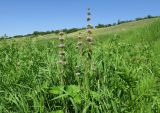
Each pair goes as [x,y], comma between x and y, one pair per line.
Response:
[25,16]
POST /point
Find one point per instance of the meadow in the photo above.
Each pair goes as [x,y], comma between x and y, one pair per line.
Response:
[122,75]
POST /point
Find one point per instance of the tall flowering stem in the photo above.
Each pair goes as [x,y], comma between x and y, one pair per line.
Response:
[80,50]
[90,39]
[89,32]
[88,60]
[61,56]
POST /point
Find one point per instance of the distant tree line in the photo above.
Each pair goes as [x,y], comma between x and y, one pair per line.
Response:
[124,21]
[37,33]
[56,31]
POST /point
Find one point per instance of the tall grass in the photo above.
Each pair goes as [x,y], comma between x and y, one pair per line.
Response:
[126,77]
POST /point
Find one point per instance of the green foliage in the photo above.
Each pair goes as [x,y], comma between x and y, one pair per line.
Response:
[126,77]
[58,111]
[57,90]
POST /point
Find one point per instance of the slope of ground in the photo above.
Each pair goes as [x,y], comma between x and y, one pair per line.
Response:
[118,28]
[122,75]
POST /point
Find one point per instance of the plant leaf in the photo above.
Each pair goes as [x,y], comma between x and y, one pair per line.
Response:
[73,90]
[57,90]
[58,111]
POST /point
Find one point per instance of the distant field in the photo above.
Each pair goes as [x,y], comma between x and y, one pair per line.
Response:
[100,31]
[121,76]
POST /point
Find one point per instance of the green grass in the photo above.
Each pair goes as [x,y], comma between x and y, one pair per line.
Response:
[126,78]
